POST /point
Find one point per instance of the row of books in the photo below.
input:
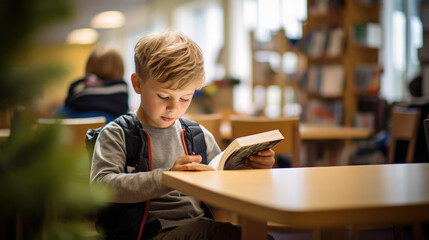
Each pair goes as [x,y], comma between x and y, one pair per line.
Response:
[327,42]
[323,112]
[327,80]
[367,78]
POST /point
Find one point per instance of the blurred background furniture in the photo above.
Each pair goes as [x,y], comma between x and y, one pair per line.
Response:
[211,122]
[404,126]
[75,129]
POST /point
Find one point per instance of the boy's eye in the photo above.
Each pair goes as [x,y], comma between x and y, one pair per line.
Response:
[185,99]
[162,97]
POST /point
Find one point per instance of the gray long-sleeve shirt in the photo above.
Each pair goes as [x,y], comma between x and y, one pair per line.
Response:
[172,208]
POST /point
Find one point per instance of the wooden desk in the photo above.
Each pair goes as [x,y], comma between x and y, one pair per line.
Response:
[313,197]
[317,132]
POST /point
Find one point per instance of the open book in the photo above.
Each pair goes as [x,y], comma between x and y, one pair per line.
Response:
[242,148]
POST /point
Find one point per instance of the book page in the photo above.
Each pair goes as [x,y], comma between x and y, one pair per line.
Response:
[215,161]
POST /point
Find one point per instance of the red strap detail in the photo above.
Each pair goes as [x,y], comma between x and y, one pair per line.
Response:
[184,142]
[146,210]
[149,149]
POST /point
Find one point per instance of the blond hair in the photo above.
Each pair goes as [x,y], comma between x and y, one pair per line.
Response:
[105,62]
[170,58]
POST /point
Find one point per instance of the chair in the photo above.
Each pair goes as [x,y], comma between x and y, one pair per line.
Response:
[75,129]
[404,125]
[288,126]
[211,122]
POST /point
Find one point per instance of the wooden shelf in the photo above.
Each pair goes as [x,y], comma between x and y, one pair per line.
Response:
[353,55]
[263,74]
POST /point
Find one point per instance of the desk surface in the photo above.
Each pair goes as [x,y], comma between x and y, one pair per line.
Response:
[318,132]
[318,196]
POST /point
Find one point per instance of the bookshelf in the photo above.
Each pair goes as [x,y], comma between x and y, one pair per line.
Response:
[265,75]
[341,45]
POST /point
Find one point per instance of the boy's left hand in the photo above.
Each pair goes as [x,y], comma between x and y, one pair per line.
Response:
[264,159]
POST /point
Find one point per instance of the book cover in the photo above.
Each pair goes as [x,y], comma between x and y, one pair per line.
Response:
[240,149]
[332,80]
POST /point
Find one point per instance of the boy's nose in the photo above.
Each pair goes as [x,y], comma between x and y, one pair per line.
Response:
[172,105]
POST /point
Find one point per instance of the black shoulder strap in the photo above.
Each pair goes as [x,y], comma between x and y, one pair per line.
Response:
[135,143]
[90,139]
[194,138]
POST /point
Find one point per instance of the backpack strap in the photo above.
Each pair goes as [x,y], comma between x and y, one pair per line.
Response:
[194,138]
[90,139]
[137,156]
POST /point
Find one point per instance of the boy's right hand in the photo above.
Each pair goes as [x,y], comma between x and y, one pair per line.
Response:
[183,163]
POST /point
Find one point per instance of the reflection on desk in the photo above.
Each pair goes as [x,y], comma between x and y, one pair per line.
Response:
[313,197]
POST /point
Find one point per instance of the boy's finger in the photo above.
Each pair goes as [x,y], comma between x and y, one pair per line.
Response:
[195,158]
[266,153]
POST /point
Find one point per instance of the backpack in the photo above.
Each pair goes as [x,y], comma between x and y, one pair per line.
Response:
[125,220]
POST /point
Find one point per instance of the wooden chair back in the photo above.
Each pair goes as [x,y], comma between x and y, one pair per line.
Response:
[75,129]
[288,126]
[211,122]
[404,125]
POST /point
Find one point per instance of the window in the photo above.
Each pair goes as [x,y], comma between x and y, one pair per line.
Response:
[402,31]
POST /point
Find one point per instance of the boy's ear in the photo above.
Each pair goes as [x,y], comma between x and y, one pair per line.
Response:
[135,80]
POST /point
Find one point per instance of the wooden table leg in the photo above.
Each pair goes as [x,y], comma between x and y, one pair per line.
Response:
[253,229]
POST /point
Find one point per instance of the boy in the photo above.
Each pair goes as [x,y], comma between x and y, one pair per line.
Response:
[169,68]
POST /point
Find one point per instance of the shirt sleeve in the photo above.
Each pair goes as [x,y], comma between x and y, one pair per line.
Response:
[108,164]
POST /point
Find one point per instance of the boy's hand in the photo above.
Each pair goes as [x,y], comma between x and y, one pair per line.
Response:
[183,163]
[264,159]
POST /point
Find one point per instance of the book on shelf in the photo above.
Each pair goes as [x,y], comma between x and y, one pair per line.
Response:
[324,112]
[367,34]
[328,42]
[240,149]
[317,43]
[325,80]
[332,80]
[335,42]
[367,77]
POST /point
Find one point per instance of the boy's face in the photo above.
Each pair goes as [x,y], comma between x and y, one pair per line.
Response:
[160,107]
